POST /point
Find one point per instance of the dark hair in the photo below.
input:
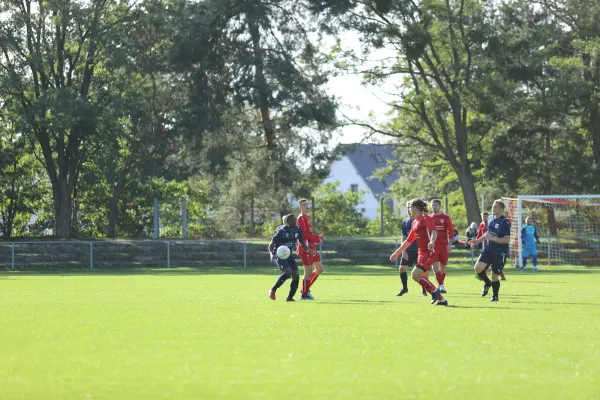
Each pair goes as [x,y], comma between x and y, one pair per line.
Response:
[286,218]
[420,204]
[438,201]
[302,200]
[485,213]
[499,201]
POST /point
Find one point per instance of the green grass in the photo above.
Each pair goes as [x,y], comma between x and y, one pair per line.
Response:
[185,334]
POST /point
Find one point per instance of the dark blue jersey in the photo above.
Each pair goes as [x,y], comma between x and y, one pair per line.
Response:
[406,226]
[287,236]
[499,227]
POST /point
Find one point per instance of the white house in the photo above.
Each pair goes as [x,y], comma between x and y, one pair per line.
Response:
[354,170]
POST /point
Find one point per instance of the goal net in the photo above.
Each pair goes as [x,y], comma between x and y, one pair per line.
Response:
[568,227]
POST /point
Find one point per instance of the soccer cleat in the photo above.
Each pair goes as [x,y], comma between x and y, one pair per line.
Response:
[305,298]
[402,292]
[524,269]
[442,303]
[435,295]
[289,300]
[272,294]
[494,299]
[535,270]
[485,290]
[442,289]
[310,296]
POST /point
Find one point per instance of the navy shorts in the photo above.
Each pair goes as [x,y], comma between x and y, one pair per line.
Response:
[496,260]
[413,255]
[289,262]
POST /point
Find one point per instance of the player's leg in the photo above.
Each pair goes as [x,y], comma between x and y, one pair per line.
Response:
[482,262]
[420,274]
[526,252]
[403,277]
[307,263]
[285,275]
[534,259]
[497,267]
[317,272]
[295,279]
[440,273]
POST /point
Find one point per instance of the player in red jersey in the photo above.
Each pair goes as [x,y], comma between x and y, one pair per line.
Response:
[443,243]
[482,230]
[311,263]
[424,232]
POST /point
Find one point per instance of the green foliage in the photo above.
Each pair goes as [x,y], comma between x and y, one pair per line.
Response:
[336,212]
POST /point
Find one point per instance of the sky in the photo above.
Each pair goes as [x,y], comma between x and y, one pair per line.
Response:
[358,101]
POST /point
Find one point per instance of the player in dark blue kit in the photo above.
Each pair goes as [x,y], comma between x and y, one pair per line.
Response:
[498,237]
[409,259]
[287,235]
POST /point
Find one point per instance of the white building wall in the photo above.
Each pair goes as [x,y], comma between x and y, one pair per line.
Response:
[343,170]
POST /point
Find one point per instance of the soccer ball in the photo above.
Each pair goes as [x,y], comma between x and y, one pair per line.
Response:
[283,252]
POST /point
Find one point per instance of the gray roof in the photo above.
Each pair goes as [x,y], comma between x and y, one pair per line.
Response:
[367,158]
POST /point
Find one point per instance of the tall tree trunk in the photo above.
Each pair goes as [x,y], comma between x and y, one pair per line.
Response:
[252,225]
[113,212]
[467,185]
[63,209]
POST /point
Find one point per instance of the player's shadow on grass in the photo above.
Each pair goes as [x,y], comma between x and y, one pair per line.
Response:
[556,303]
[475,294]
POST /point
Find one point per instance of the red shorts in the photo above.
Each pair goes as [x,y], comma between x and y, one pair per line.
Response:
[443,255]
[426,259]
[309,259]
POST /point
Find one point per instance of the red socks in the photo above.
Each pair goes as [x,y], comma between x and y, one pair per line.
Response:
[427,285]
[305,286]
[440,277]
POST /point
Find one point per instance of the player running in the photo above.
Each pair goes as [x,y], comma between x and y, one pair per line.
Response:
[424,232]
[529,238]
[443,243]
[409,257]
[311,262]
[482,230]
[498,237]
[287,235]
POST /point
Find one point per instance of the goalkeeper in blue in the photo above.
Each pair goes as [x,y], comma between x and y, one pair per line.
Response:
[529,238]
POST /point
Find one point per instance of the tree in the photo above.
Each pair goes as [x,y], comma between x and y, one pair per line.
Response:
[51,54]
[444,105]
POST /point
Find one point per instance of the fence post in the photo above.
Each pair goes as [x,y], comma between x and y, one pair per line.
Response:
[168,254]
[12,247]
[245,254]
[312,214]
[397,259]
[472,256]
[381,215]
[184,218]
[549,250]
[156,219]
[321,250]
[91,255]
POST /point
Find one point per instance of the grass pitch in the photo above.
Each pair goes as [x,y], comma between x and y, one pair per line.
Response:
[189,334]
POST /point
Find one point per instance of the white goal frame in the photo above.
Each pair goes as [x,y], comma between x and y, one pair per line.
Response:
[520,200]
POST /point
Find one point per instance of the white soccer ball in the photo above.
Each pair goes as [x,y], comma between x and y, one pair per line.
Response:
[283,252]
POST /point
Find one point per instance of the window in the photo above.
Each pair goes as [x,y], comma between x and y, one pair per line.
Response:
[354,188]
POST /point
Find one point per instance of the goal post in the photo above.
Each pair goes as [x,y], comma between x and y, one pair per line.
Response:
[568,226]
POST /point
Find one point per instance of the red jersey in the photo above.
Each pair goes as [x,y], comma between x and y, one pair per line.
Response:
[482,229]
[444,228]
[310,238]
[421,230]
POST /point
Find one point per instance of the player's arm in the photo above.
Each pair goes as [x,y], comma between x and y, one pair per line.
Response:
[404,253]
[303,242]
[535,235]
[523,234]
[405,245]
[275,241]
[432,233]
[449,232]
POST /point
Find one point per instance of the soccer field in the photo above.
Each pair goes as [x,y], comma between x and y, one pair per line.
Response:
[188,334]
